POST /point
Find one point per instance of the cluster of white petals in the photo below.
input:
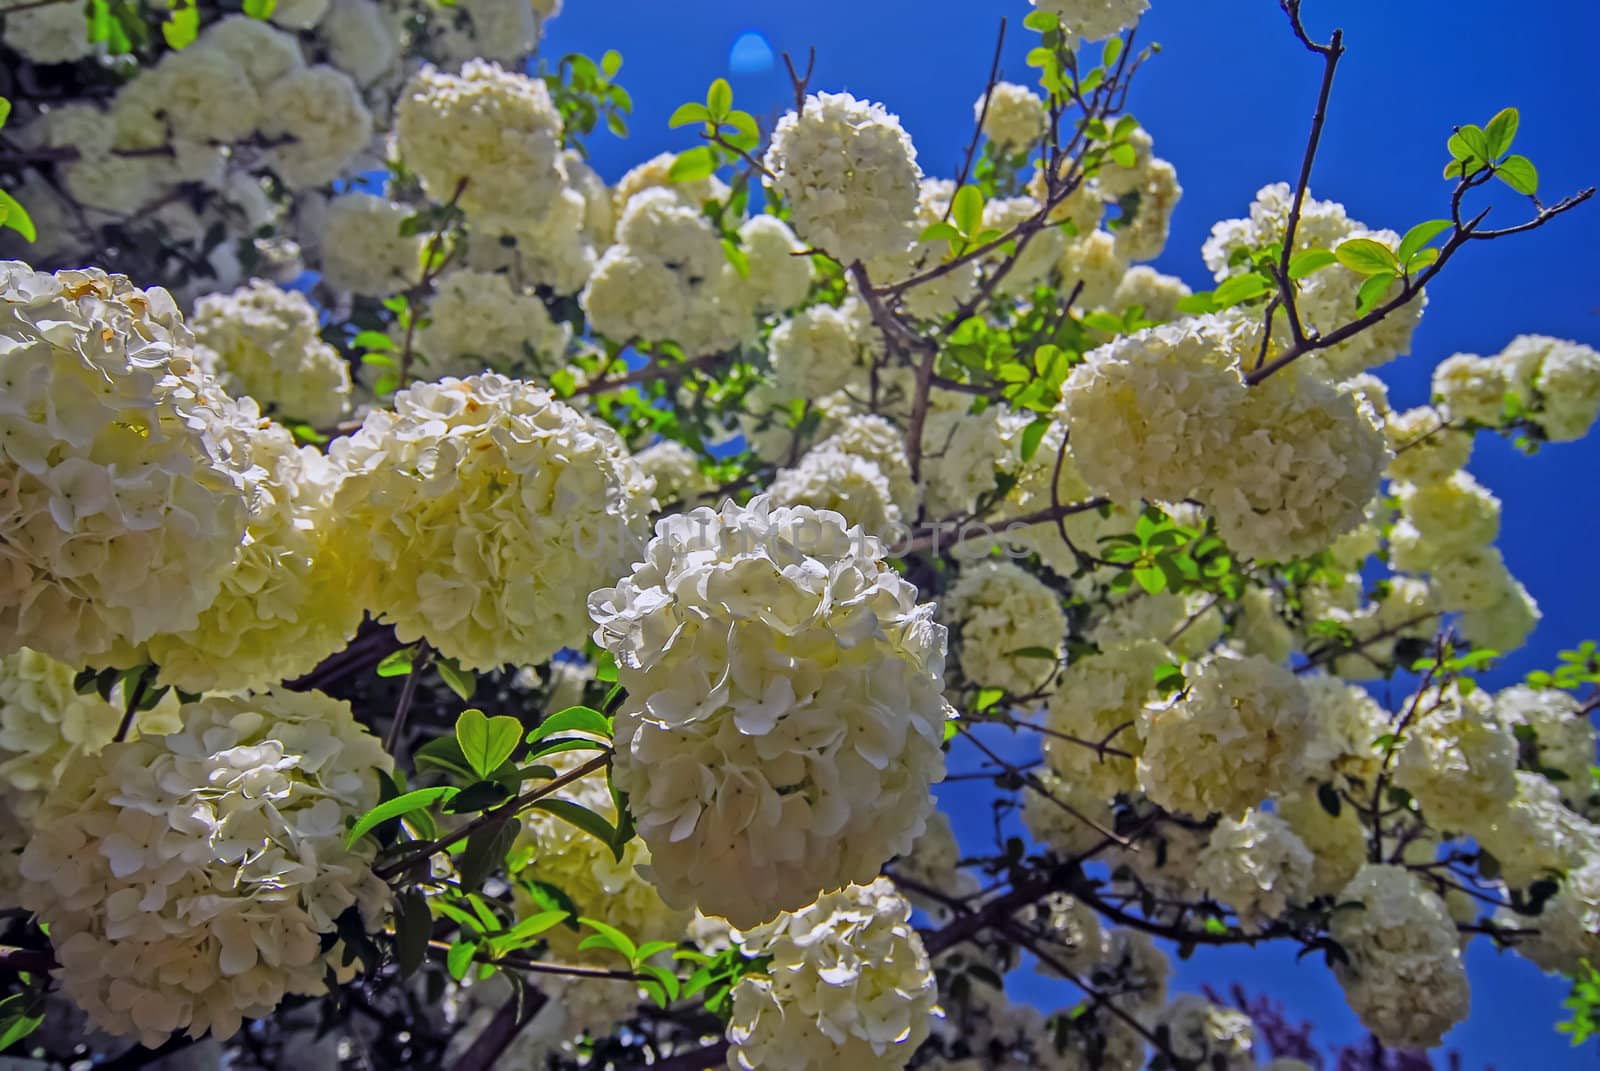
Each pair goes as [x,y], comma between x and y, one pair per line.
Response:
[263,341]
[1098,701]
[1015,117]
[1563,380]
[849,485]
[874,439]
[1563,738]
[189,880]
[1442,521]
[1568,927]
[478,323]
[46,33]
[1404,977]
[1237,734]
[933,863]
[675,469]
[120,507]
[1257,866]
[488,510]
[1011,624]
[319,122]
[1094,20]
[668,278]
[1456,756]
[848,172]
[1535,835]
[1426,448]
[1348,724]
[1210,1035]
[784,711]
[363,250]
[849,985]
[928,298]
[778,278]
[821,349]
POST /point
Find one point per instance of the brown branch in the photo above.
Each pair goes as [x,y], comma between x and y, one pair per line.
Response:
[492,1042]
[983,114]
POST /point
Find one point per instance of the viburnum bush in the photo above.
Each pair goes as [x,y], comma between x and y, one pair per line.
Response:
[457,612]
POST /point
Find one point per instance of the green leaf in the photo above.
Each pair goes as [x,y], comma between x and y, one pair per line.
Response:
[459,959]
[487,742]
[413,928]
[1242,288]
[18,1018]
[987,698]
[687,114]
[484,854]
[1124,155]
[566,743]
[463,682]
[414,800]
[1500,133]
[581,817]
[1215,926]
[1476,141]
[1042,21]
[445,754]
[397,664]
[1151,578]
[608,936]
[1419,236]
[16,217]
[1032,436]
[182,26]
[1197,304]
[966,210]
[1309,261]
[572,719]
[5,111]
[372,340]
[692,165]
[526,932]
[611,62]
[737,257]
[478,796]
[665,979]
[1519,173]
[260,9]
[1111,52]
[719,99]
[1372,292]
[1366,256]
[940,231]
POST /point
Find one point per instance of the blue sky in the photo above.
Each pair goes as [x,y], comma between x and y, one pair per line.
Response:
[1228,101]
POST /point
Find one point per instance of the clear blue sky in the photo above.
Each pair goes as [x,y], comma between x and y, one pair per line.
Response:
[1228,101]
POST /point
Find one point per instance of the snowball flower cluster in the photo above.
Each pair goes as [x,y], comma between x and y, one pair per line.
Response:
[490,133]
[1002,609]
[1565,381]
[120,507]
[263,341]
[1536,835]
[778,278]
[1094,20]
[848,172]
[47,33]
[189,881]
[1015,117]
[478,323]
[1563,739]
[784,711]
[1211,1035]
[1237,734]
[1442,521]
[821,349]
[667,278]
[1405,978]
[675,469]
[851,486]
[1426,448]
[1098,700]
[286,603]
[1256,866]
[1456,757]
[320,119]
[1568,927]
[849,985]
[489,510]
[1472,387]
[362,248]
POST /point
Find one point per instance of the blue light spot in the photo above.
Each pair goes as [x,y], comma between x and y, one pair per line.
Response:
[750,55]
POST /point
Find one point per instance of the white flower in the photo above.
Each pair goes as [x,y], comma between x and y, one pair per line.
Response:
[1568,927]
[821,349]
[1210,1035]
[323,122]
[502,30]
[1260,628]
[299,14]
[286,604]
[849,174]
[496,130]
[491,510]
[1094,20]
[263,341]
[667,278]
[1237,734]
[208,96]
[557,249]
[1535,835]
[1563,738]
[1015,118]
[1338,843]
[849,985]
[1426,448]
[1348,724]
[778,279]
[964,453]
[675,469]
[1443,521]
[362,248]
[1034,260]
[1156,294]
[360,39]
[1565,381]
[1473,388]
[1456,757]
[1146,211]
[656,173]
[1098,700]
[47,33]
[1094,262]
[874,439]
[1059,828]
[851,486]
[932,862]
[1001,609]
[190,880]
[933,298]
[784,710]
[478,323]
[1256,866]
[122,507]
[1405,978]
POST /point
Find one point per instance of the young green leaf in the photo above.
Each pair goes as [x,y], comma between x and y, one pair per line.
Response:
[1309,261]
[1366,256]
[1519,173]
[1042,21]
[1473,137]
[1241,288]
[459,959]
[486,742]
[1032,436]
[526,932]
[1500,132]
[463,682]
[692,165]
[1419,236]
[20,1016]
[398,663]
[940,231]
[966,211]
[581,817]
[719,99]
[260,9]
[414,800]
[1372,292]
[182,26]
[572,719]
[988,697]
[688,114]
[413,927]
[13,215]
[611,62]
[608,936]
[5,111]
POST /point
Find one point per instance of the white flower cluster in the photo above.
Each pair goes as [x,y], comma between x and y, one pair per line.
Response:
[675,469]
[928,299]
[1287,465]
[263,341]
[1442,521]
[122,508]
[491,510]
[849,174]
[1098,701]
[1405,978]
[1146,194]
[1209,1035]
[1094,20]
[1426,447]
[1015,118]
[488,138]
[1563,739]
[1237,734]
[1257,866]
[362,248]
[286,603]
[872,438]
[849,485]
[1001,610]
[1326,299]
[778,278]
[1568,927]
[1555,384]
[1456,757]
[189,880]
[668,278]
[849,985]
[821,349]
[46,33]
[784,712]
[479,323]
[1535,835]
